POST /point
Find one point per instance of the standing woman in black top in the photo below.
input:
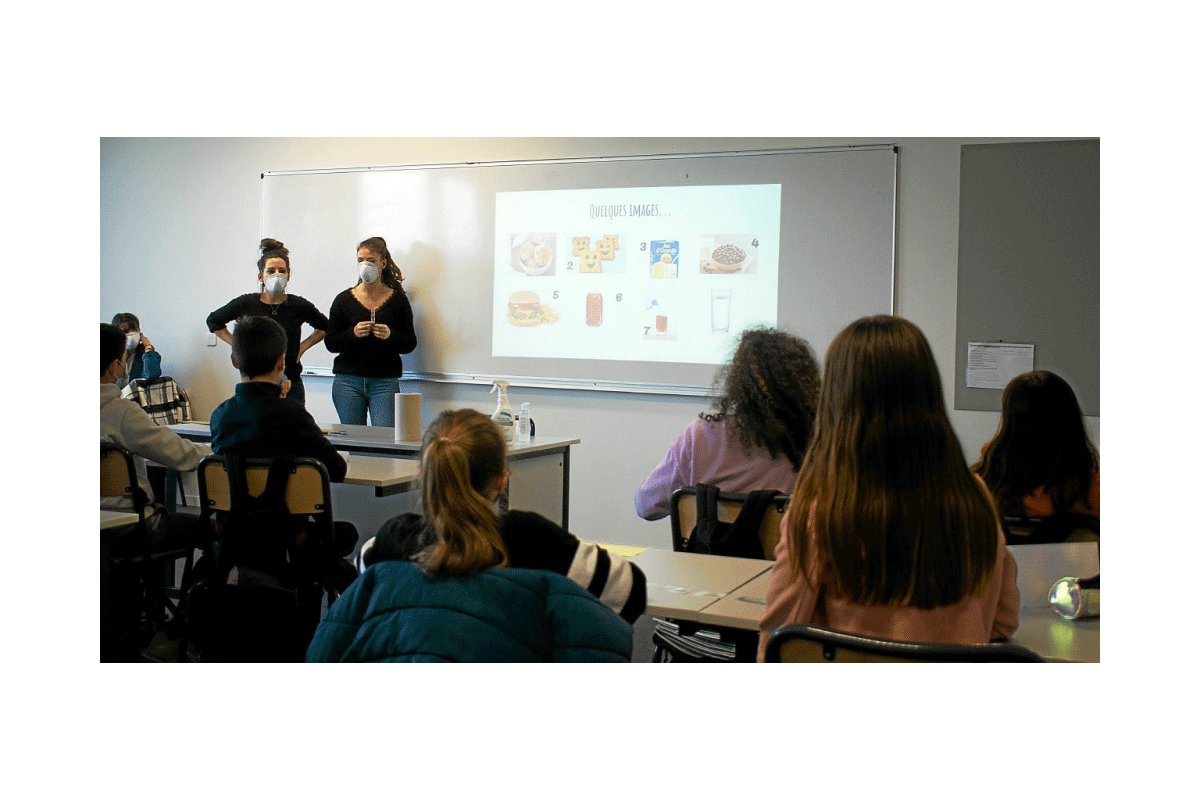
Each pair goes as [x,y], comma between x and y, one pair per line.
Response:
[370,326]
[289,310]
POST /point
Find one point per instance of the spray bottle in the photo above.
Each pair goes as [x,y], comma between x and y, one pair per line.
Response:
[503,415]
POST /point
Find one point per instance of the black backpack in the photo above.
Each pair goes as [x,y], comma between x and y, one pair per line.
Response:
[738,538]
[251,602]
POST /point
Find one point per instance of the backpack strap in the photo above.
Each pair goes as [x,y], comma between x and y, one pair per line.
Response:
[706,519]
[740,538]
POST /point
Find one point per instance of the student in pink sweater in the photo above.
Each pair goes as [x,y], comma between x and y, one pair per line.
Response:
[888,533]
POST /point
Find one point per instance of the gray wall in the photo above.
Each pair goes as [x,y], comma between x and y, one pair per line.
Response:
[175,210]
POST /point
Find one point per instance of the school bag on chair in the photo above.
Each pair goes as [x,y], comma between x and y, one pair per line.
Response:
[677,641]
[255,603]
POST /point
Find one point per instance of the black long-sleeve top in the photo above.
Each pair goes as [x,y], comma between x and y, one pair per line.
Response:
[370,356]
[291,314]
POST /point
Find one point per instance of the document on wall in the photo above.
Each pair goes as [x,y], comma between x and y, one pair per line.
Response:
[994,364]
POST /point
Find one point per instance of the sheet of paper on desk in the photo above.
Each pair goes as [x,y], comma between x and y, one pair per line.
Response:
[621,549]
[994,364]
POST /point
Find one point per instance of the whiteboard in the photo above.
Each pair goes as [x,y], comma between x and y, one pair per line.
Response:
[836,249]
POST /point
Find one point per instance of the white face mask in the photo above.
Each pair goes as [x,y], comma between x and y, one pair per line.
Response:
[276,283]
[368,271]
[132,339]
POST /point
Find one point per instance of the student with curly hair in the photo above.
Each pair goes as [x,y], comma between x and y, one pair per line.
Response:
[756,436]
[1041,460]
[888,533]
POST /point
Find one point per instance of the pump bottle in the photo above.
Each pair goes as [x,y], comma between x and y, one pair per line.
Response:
[523,423]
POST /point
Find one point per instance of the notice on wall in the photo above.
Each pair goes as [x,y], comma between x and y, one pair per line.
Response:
[994,364]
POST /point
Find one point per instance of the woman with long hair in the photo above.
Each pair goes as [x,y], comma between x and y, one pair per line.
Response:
[272,299]
[888,533]
[464,583]
[370,327]
[1041,460]
[757,432]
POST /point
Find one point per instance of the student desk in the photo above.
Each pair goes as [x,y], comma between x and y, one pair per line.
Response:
[541,468]
[116,518]
[388,476]
[737,601]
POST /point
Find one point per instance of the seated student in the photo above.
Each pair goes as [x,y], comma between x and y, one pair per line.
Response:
[452,602]
[888,533]
[463,471]
[757,435]
[257,422]
[1041,460]
[123,422]
[144,360]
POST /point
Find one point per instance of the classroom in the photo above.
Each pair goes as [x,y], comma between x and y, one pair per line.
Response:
[181,218]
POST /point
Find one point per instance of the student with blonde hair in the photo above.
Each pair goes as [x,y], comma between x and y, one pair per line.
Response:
[888,533]
[464,583]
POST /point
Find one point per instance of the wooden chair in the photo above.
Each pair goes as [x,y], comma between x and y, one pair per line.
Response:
[308,503]
[1057,529]
[686,641]
[684,514]
[118,478]
[806,643]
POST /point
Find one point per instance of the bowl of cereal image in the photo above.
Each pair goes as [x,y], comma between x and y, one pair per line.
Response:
[534,256]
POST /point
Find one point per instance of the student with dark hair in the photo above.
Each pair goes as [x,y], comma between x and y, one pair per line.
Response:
[888,533]
[464,584]
[144,362]
[257,422]
[123,422]
[272,300]
[757,434]
[370,327]
[1041,460]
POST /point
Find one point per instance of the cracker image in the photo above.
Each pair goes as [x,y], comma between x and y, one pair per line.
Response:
[580,245]
[605,248]
[613,239]
[591,261]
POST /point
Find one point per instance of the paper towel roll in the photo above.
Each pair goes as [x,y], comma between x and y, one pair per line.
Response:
[408,417]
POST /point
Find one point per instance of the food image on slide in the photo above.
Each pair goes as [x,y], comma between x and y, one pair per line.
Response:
[670,274]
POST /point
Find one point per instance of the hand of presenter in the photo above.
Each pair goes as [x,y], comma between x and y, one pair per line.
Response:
[362,329]
[381,332]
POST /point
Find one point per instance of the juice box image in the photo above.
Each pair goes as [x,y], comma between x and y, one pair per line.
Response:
[664,259]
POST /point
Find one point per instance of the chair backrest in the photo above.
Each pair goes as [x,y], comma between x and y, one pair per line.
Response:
[1056,529]
[684,513]
[806,643]
[307,492]
[118,475]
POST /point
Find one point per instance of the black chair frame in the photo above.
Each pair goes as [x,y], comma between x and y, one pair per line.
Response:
[834,641]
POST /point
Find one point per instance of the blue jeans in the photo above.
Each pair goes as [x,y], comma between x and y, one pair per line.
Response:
[296,392]
[353,395]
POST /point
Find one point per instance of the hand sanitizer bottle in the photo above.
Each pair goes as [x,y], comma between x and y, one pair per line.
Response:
[523,423]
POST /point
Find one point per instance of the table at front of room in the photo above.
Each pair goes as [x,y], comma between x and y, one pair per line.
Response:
[683,585]
[541,468]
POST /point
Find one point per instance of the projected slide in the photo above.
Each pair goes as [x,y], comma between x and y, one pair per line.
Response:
[671,274]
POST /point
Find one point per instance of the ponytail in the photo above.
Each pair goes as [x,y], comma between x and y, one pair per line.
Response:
[464,528]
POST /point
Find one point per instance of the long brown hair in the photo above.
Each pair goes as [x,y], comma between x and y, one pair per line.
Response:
[389,272]
[1041,443]
[770,392]
[889,507]
[462,453]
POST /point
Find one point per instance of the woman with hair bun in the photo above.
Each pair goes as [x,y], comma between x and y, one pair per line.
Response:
[289,310]
[370,327]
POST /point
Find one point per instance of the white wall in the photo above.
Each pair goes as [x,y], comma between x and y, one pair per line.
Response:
[175,210]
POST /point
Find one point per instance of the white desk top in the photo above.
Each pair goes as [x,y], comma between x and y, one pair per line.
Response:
[713,598]
[681,584]
[393,474]
[116,518]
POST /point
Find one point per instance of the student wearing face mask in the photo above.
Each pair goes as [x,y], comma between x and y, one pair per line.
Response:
[142,360]
[289,310]
[370,327]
